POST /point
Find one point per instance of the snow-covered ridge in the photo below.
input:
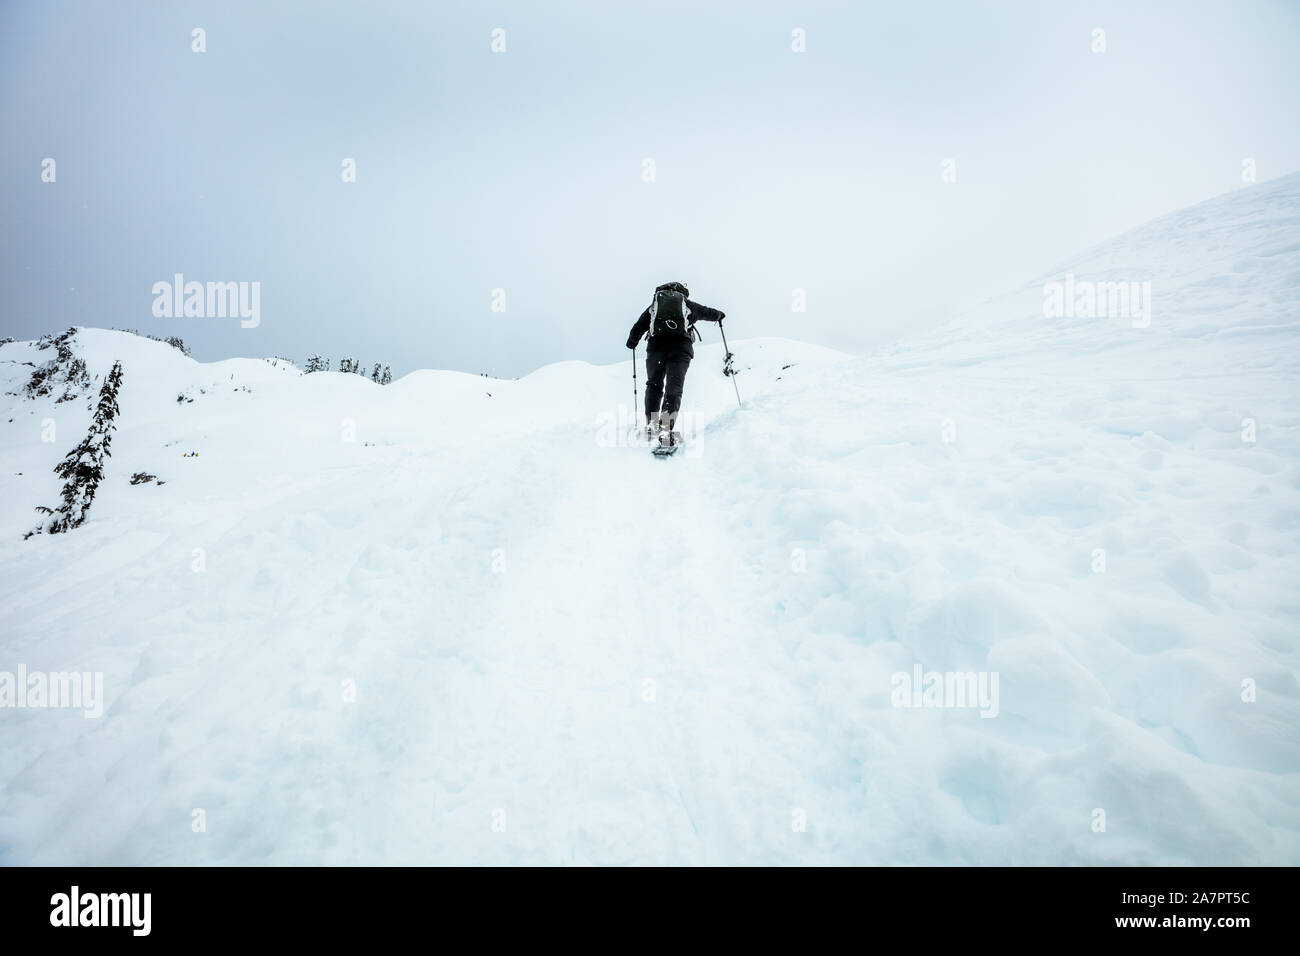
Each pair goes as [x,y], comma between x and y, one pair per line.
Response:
[365,623]
[1224,269]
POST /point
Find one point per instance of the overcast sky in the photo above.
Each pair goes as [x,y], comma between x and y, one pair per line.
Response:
[524,170]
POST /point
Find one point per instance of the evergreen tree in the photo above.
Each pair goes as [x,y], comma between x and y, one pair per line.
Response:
[317,364]
[82,469]
[64,367]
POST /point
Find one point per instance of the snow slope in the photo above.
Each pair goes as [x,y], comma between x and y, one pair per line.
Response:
[566,651]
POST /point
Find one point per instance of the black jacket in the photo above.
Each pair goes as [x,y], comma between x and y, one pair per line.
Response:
[673,343]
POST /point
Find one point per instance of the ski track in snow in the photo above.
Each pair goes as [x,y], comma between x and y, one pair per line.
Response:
[616,659]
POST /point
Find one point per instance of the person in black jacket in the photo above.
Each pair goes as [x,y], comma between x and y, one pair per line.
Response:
[669,324]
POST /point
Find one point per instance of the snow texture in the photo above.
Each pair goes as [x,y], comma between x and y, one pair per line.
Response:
[552,665]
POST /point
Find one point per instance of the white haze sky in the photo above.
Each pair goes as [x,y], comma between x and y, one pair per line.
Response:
[522,170]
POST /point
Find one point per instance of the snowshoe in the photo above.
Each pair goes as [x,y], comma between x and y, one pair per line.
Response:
[669,442]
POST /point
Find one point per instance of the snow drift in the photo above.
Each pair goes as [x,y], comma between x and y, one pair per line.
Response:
[454,620]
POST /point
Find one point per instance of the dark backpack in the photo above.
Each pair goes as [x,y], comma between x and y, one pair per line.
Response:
[669,316]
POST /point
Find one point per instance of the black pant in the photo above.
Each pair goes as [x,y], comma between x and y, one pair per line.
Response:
[665,374]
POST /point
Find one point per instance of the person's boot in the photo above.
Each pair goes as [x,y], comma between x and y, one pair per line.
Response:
[652,427]
[667,437]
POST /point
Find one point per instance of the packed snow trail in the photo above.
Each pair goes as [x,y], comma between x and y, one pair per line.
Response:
[611,661]
[458,620]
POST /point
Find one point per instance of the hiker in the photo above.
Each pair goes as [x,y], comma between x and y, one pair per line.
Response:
[669,324]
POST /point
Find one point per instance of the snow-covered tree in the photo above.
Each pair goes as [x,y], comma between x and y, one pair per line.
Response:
[386,378]
[317,364]
[82,469]
[65,367]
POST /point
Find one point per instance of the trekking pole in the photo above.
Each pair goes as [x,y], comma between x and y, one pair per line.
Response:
[727,368]
[636,417]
